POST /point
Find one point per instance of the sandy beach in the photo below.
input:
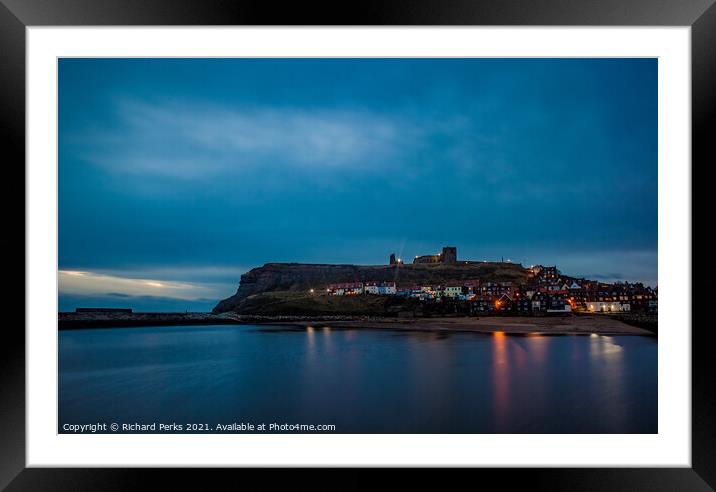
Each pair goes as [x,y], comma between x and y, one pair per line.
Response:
[586,324]
[574,324]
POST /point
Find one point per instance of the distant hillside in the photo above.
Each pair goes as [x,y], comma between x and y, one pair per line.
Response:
[283,287]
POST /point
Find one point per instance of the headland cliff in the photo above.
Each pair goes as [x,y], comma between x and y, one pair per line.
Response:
[299,288]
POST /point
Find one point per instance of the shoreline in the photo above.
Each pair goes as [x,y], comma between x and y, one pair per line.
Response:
[507,325]
[582,324]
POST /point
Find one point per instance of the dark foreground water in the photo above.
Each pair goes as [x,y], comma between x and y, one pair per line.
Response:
[372,381]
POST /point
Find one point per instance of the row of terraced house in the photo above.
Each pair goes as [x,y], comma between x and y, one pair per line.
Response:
[546,290]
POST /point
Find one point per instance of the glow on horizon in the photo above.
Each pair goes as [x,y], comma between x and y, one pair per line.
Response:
[91,283]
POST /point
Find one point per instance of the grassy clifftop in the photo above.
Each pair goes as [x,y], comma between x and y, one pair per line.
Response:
[286,303]
[283,288]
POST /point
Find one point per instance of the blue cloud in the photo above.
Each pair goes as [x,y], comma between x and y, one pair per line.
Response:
[179,165]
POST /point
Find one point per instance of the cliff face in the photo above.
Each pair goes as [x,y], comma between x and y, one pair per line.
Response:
[298,277]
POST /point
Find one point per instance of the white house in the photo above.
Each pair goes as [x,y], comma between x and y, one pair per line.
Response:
[372,288]
[387,289]
[607,307]
[381,288]
[349,289]
[453,290]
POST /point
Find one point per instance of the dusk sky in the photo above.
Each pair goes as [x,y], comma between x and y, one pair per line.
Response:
[178,175]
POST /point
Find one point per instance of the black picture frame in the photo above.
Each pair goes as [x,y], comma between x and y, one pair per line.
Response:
[16,15]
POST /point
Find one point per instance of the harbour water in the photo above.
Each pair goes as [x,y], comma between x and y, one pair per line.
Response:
[358,380]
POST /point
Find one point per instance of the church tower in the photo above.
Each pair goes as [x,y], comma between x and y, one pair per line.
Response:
[449,255]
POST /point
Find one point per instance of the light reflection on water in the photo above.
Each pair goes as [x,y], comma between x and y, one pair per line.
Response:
[501,381]
[361,380]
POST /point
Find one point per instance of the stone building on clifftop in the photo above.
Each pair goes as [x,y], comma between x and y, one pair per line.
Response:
[447,256]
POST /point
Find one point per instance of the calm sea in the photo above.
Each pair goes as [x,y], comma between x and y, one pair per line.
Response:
[360,381]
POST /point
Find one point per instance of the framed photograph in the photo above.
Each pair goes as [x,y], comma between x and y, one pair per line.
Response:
[436,236]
